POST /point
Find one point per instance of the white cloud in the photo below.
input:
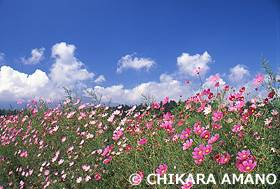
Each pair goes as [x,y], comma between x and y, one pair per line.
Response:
[67,71]
[127,62]
[188,63]
[15,85]
[36,56]
[100,79]
[166,87]
[238,73]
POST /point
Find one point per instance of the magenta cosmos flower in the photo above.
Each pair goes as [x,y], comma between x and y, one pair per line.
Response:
[162,169]
[217,116]
[237,128]
[213,139]
[168,126]
[216,125]
[186,133]
[205,135]
[224,159]
[137,179]
[198,159]
[258,80]
[243,155]
[246,166]
[206,150]
[188,184]
[107,160]
[198,130]
[142,141]
[165,100]
[187,144]
[245,117]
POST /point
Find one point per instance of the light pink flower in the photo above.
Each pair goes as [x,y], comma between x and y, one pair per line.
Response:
[214,78]
[258,80]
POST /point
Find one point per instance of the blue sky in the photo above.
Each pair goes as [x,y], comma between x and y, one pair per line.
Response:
[123,48]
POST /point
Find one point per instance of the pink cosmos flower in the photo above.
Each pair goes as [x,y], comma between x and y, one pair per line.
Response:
[168,126]
[214,78]
[197,70]
[198,151]
[198,130]
[137,179]
[79,180]
[245,117]
[213,139]
[142,141]
[205,135]
[217,116]
[243,155]
[165,100]
[258,80]
[47,172]
[199,159]
[70,149]
[224,159]
[237,128]
[217,157]
[87,178]
[117,135]
[188,184]
[107,160]
[106,151]
[180,123]
[97,177]
[216,126]
[187,144]
[162,169]
[206,150]
[240,135]
[186,133]
[217,84]
[246,166]
[155,105]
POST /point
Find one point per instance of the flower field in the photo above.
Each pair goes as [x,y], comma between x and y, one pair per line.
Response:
[85,145]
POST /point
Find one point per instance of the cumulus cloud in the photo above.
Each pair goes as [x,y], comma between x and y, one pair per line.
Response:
[15,85]
[128,62]
[100,79]
[36,56]
[238,73]
[166,87]
[67,70]
[188,63]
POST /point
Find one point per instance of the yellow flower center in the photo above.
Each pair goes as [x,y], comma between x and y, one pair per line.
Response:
[247,168]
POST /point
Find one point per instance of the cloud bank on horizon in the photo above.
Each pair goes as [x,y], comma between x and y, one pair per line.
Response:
[67,71]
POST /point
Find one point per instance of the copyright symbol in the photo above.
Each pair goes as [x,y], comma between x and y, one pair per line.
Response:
[135,179]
